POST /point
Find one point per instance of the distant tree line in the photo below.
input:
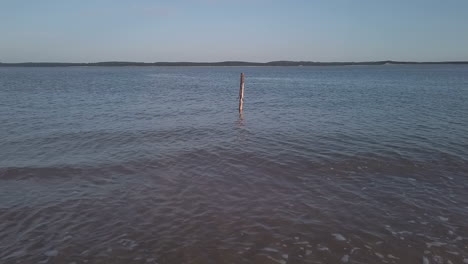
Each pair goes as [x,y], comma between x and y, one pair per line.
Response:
[224,63]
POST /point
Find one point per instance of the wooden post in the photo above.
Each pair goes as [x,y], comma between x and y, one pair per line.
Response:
[241,93]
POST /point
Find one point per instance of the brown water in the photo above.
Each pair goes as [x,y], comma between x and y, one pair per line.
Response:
[154,165]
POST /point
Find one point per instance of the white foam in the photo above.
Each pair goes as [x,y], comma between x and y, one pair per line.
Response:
[445,219]
[354,249]
[128,243]
[280,261]
[345,259]
[322,248]
[339,237]
[435,244]
[405,233]
[425,260]
[390,256]
[465,260]
[270,249]
[285,256]
[379,255]
[438,259]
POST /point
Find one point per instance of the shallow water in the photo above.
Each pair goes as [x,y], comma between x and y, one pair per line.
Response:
[363,164]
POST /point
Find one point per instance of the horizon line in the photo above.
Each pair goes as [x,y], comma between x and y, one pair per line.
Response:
[221,63]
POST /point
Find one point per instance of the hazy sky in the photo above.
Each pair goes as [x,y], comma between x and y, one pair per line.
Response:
[218,30]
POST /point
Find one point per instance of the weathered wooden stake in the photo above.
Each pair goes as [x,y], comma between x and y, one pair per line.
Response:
[241,93]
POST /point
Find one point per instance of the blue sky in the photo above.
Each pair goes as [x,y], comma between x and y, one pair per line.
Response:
[218,30]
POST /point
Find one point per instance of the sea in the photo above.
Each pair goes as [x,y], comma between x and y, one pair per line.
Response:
[345,164]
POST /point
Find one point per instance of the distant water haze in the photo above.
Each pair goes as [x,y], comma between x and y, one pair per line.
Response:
[358,164]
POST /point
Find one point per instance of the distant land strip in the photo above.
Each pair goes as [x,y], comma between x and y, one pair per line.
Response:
[223,63]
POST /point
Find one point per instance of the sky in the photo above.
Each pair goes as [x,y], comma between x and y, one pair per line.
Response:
[241,30]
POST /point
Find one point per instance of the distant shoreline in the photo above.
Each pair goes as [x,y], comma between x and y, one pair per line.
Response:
[224,63]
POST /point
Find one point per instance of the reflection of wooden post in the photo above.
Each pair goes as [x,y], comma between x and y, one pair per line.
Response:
[241,93]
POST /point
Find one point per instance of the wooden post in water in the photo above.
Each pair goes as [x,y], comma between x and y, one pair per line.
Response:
[241,93]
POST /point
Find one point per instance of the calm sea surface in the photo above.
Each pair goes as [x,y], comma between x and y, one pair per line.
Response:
[357,164]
